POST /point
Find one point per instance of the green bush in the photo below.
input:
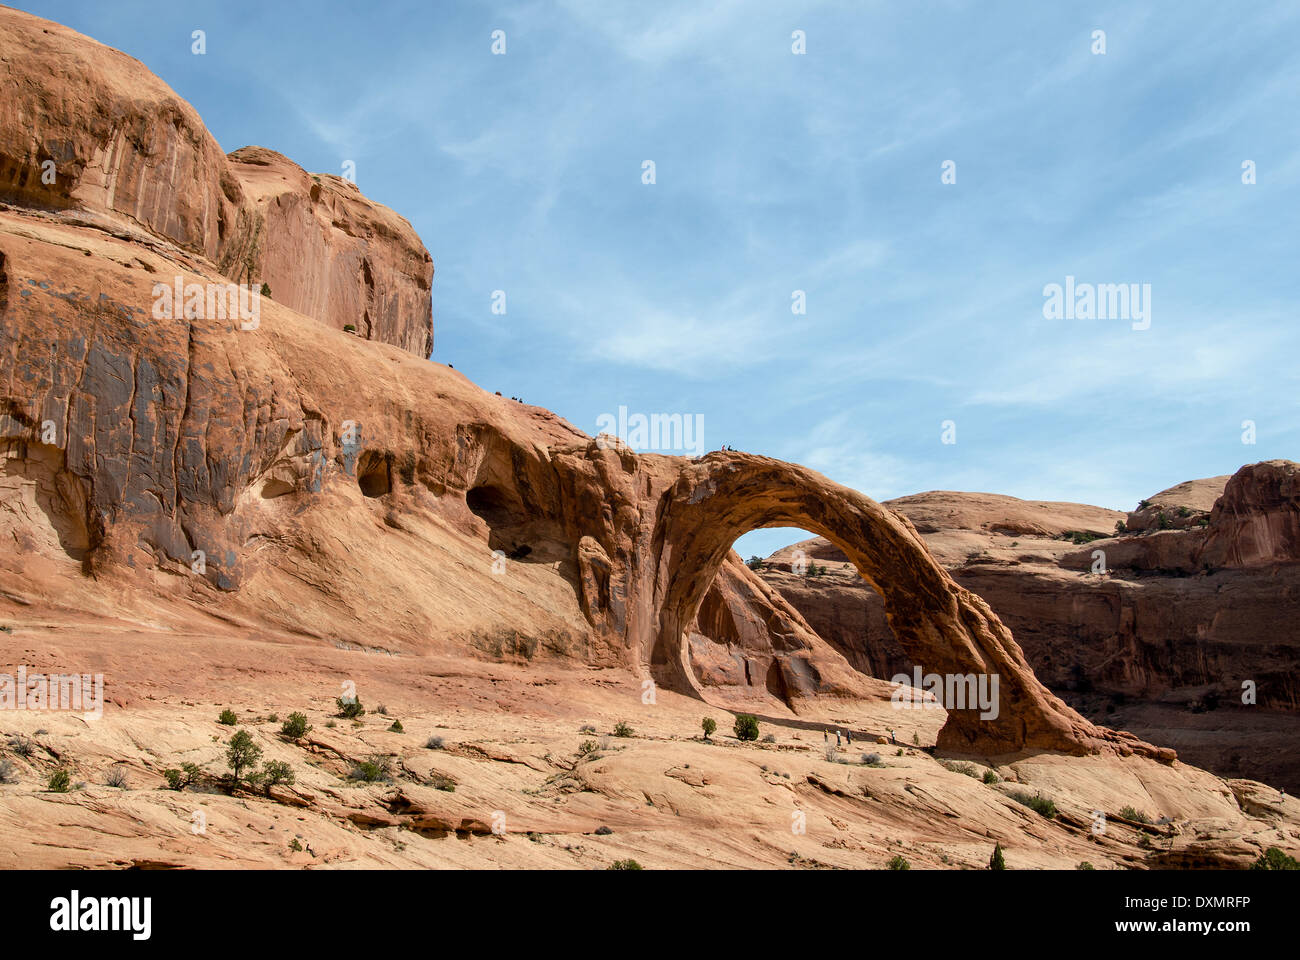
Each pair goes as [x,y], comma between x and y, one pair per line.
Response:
[227,717]
[441,781]
[375,767]
[295,846]
[625,865]
[1274,859]
[349,328]
[1137,816]
[59,781]
[962,767]
[266,290]
[396,727]
[746,726]
[180,779]
[621,729]
[754,563]
[586,747]
[350,709]
[897,863]
[1085,865]
[709,725]
[997,861]
[991,777]
[1039,804]
[295,727]
[275,772]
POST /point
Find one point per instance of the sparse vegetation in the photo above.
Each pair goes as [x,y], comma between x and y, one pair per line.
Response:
[349,328]
[382,710]
[350,709]
[991,777]
[396,727]
[21,745]
[873,759]
[178,780]
[754,563]
[625,865]
[586,748]
[603,831]
[295,727]
[832,753]
[59,782]
[746,727]
[1085,865]
[709,725]
[375,767]
[897,862]
[1121,527]
[1274,859]
[997,861]
[1132,813]
[916,739]
[587,728]
[622,729]
[962,767]
[442,782]
[116,777]
[1036,802]
[1143,504]
[434,743]
[295,845]
[227,717]
[266,290]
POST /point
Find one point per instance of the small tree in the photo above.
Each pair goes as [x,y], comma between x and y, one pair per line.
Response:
[709,725]
[396,727]
[622,729]
[266,290]
[754,563]
[242,755]
[997,862]
[227,717]
[746,726]
[1274,859]
[898,863]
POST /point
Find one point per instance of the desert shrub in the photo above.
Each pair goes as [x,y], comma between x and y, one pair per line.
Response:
[266,290]
[587,728]
[349,328]
[603,831]
[746,726]
[59,781]
[434,743]
[899,752]
[1131,813]
[227,717]
[273,718]
[275,772]
[916,739]
[295,726]
[997,861]
[396,727]
[330,724]
[1274,859]
[21,745]
[832,753]
[1162,521]
[586,747]
[374,767]
[754,563]
[1143,504]
[382,710]
[873,759]
[625,865]
[897,863]
[1121,527]
[350,709]
[116,777]
[769,738]
[1039,804]
[295,845]
[962,767]
[1085,865]
[242,754]
[180,779]
[622,729]
[991,777]
[709,725]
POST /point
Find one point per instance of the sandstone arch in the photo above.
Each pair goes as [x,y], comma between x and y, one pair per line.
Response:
[944,627]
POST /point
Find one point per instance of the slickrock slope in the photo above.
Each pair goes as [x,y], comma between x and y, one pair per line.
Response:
[1160,644]
[215,513]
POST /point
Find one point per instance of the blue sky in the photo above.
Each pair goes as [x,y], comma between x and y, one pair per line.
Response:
[819,172]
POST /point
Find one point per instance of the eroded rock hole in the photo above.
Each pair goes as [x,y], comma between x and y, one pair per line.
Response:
[374,474]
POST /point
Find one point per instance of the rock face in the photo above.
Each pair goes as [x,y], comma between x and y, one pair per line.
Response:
[1161,642]
[89,135]
[329,253]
